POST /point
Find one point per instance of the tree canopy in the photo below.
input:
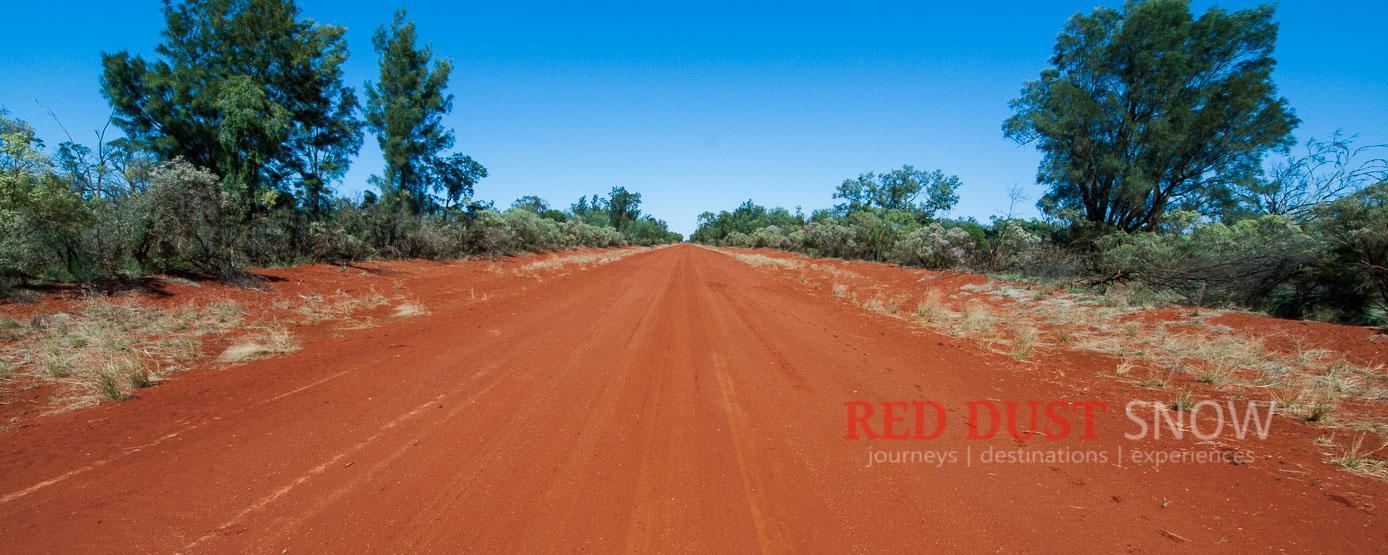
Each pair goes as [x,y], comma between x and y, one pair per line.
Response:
[1149,108]
[925,194]
[246,88]
[405,110]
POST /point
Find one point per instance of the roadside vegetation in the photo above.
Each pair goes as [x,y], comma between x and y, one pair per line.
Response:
[232,144]
[1184,185]
[1183,354]
[1170,177]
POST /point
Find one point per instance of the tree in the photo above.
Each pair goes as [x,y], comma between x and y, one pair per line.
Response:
[901,190]
[41,217]
[246,89]
[405,109]
[592,211]
[747,218]
[623,207]
[1296,185]
[1150,109]
[531,203]
[456,175]
[1357,229]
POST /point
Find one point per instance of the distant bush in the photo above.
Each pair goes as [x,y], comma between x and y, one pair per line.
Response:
[1013,247]
[934,246]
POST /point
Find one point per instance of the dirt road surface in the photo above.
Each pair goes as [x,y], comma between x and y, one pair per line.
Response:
[676,399]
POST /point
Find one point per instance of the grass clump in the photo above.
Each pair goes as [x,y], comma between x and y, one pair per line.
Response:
[107,349]
[976,318]
[763,260]
[271,340]
[1023,342]
[931,308]
[1317,411]
[1184,402]
[1357,458]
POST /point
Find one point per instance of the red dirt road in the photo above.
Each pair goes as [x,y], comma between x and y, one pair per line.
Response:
[672,400]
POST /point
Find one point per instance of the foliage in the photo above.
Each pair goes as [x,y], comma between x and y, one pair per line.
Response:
[745,219]
[1355,264]
[1211,262]
[41,218]
[1149,109]
[619,210]
[188,222]
[457,175]
[1297,185]
[925,194]
[405,111]
[934,246]
[246,89]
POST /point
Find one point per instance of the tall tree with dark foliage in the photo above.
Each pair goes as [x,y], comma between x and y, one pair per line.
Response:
[405,110]
[1149,108]
[247,89]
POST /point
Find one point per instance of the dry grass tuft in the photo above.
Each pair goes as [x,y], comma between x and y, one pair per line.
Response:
[763,260]
[271,340]
[932,309]
[108,349]
[975,319]
[338,306]
[1357,458]
[1023,342]
[580,259]
[407,310]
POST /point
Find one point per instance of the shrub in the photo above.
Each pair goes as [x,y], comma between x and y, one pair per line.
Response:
[187,222]
[1244,263]
[1012,246]
[829,239]
[41,219]
[1354,267]
[529,231]
[739,239]
[933,246]
[770,237]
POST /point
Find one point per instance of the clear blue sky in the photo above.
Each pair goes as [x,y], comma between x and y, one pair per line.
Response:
[702,105]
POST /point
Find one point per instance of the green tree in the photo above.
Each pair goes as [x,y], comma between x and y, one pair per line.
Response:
[1148,109]
[926,194]
[531,203]
[245,88]
[1356,263]
[456,176]
[591,211]
[747,218]
[405,110]
[41,217]
[623,207]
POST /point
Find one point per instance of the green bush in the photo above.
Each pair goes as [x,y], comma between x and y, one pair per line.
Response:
[187,222]
[1244,264]
[934,246]
[42,220]
[1352,272]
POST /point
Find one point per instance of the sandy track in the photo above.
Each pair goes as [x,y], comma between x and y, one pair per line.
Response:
[673,400]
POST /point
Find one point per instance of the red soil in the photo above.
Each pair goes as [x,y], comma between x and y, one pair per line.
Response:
[673,400]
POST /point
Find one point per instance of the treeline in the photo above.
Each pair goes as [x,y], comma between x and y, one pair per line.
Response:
[234,137]
[1168,168]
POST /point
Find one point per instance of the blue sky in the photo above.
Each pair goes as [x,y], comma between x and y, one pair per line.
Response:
[702,105]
